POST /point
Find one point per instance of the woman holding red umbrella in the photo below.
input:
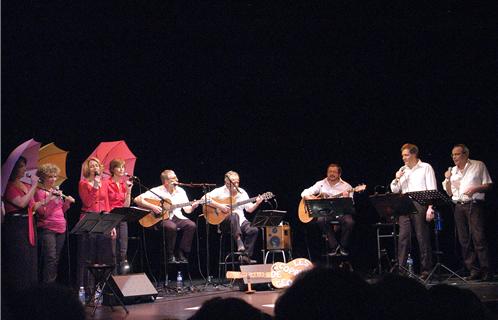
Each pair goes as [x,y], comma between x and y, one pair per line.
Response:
[119,191]
[93,248]
[51,221]
[19,251]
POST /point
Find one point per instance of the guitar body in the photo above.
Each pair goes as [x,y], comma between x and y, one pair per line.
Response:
[283,274]
[152,218]
[214,215]
[303,213]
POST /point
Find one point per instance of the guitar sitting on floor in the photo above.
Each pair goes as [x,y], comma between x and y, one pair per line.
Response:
[214,215]
[303,213]
[153,218]
[282,274]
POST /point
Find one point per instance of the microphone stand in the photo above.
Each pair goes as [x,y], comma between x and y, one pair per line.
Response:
[232,251]
[166,277]
[205,188]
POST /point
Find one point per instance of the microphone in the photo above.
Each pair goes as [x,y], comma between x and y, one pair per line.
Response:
[97,173]
[182,184]
[131,177]
[402,169]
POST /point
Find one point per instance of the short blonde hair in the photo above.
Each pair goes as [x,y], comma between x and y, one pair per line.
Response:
[230,175]
[114,164]
[47,169]
[164,174]
[86,166]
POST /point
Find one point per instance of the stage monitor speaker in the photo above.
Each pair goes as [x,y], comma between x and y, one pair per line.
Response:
[131,289]
[278,238]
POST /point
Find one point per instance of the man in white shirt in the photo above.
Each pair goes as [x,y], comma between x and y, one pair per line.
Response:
[333,187]
[415,175]
[235,221]
[169,190]
[466,184]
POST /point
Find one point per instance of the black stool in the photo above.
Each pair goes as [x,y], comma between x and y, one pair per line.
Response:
[101,274]
[231,258]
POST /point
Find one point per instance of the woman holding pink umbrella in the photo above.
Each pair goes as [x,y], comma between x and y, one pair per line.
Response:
[51,221]
[93,248]
[19,251]
[119,190]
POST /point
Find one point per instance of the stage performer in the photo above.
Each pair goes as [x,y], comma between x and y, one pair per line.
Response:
[177,195]
[415,175]
[236,222]
[466,183]
[19,249]
[333,186]
[119,190]
[51,206]
[93,248]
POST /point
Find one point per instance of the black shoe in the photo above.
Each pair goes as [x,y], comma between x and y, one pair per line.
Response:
[240,246]
[424,275]
[474,275]
[171,259]
[487,276]
[181,258]
[246,260]
[343,251]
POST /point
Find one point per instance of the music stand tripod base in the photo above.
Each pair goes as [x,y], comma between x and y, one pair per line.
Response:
[437,199]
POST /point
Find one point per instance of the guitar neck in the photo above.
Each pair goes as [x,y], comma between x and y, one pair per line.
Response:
[240,203]
[181,205]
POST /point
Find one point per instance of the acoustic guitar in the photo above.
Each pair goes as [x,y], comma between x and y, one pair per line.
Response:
[153,218]
[215,216]
[282,274]
[303,213]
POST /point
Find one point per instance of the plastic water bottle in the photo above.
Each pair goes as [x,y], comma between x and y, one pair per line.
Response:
[179,281]
[409,263]
[82,295]
[438,220]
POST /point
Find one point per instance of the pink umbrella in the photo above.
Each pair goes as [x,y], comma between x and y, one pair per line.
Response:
[29,150]
[107,151]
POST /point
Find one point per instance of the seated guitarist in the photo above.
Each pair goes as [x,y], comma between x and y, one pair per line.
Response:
[240,228]
[333,187]
[169,190]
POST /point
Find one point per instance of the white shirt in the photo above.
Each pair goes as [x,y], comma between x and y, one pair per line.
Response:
[224,193]
[179,196]
[419,178]
[473,174]
[327,190]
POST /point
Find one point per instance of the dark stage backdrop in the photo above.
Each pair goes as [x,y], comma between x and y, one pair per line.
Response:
[273,93]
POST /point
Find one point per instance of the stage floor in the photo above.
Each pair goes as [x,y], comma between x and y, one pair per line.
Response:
[171,305]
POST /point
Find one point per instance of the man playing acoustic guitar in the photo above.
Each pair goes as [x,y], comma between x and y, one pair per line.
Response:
[236,222]
[171,220]
[333,187]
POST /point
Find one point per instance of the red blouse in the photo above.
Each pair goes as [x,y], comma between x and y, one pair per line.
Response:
[93,200]
[117,194]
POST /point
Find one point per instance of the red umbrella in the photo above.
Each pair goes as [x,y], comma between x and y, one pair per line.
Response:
[107,151]
[28,150]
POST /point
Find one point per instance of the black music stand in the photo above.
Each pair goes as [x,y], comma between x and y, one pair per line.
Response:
[333,207]
[131,214]
[99,223]
[435,198]
[390,206]
[268,218]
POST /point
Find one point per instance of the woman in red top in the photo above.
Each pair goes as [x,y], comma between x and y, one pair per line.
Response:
[19,251]
[119,191]
[93,248]
[51,221]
